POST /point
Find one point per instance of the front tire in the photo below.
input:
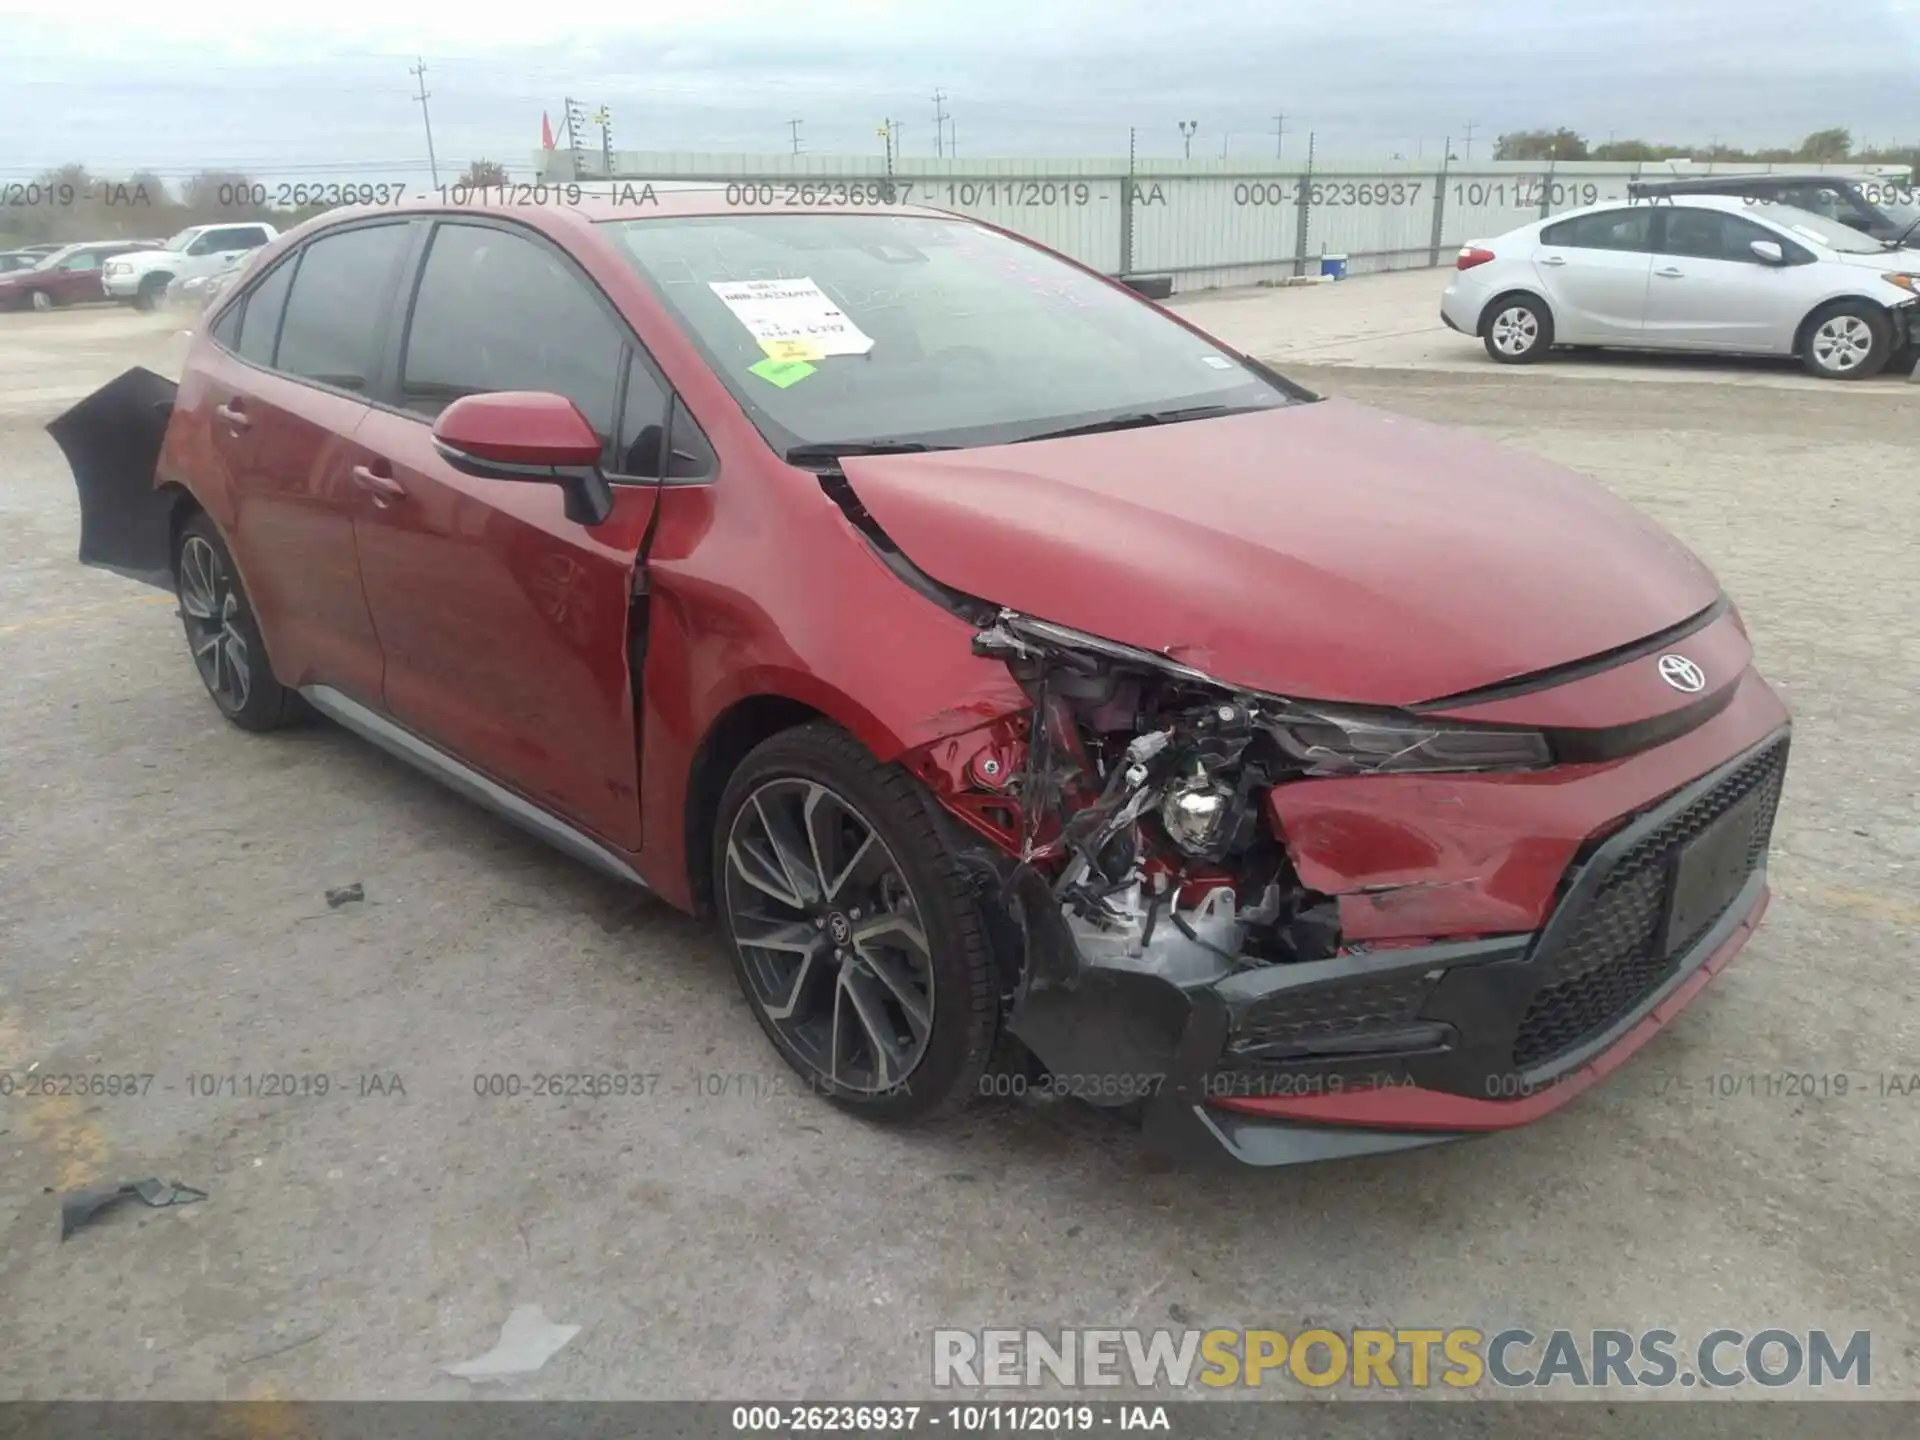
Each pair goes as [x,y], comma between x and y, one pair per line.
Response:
[854,931]
[1519,330]
[223,635]
[147,297]
[42,301]
[1849,340]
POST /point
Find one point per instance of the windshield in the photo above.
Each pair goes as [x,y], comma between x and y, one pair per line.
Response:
[1821,230]
[180,241]
[47,262]
[852,329]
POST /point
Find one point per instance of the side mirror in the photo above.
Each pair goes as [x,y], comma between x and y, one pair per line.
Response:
[1769,252]
[528,435]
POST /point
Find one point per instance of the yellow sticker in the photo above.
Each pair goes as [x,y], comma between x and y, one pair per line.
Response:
[792,350]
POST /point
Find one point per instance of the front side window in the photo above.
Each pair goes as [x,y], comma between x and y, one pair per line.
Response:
[332,328]
[1604,230]
[1700,235]
[499,311]
[846,329]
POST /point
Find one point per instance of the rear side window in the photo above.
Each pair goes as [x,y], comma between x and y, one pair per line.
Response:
[499,311]
[260,325]
[1603,230]
[332,328]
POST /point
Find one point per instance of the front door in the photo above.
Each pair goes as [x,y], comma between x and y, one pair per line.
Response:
[1709,291]
[504,624]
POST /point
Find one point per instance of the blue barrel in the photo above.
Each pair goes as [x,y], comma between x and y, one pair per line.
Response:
[1334,266]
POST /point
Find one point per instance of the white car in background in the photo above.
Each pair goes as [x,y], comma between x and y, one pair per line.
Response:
[141,280]
[1701,273]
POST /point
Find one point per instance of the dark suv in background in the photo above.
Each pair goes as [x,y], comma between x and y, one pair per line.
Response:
[1887,208]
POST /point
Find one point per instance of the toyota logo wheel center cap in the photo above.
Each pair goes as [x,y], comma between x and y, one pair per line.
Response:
[839,928]
[1682,674]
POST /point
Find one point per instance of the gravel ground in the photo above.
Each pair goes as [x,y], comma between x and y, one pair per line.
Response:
[162,913]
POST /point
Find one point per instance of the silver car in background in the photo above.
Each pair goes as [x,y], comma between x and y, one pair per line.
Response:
[1701,273]
[199,291]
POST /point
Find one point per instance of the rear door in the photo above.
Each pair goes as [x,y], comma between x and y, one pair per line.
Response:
[281,407]
[1593,269]
[77,280]
[1711,292]
[504,624]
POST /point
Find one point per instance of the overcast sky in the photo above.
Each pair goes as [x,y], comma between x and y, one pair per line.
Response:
[326,93]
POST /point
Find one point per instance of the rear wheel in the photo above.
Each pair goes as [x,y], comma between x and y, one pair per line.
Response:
[1519,330]
[223,635]
[854,931]
[1849,340]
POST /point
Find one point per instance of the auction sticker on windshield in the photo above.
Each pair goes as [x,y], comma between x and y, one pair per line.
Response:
[792,310]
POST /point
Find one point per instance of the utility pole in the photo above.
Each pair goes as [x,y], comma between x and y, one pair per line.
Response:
[419,71]
[885,132]
[1187,130]
[1466,149]
[1228,135]
[939,121]
[1279,134]
[794,127]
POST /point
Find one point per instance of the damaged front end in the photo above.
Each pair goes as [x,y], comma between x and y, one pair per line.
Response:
[1165,952]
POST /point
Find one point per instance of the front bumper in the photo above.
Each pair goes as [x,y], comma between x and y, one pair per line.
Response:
[1394,1047]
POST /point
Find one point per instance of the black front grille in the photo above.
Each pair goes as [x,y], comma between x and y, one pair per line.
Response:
[1613,956]
[1316,1012]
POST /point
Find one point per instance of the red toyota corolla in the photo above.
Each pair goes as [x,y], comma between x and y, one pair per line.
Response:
[1011,667]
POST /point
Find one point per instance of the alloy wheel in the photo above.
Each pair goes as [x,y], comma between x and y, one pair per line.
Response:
[210,608]
[830,938]
[1515,330]
[1843,343]
[42,301]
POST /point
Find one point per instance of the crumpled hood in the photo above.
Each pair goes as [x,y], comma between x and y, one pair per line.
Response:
[1322,550]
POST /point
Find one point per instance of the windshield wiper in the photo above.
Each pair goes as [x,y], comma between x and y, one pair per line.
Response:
[831,451]
[1905,235]
[1141,420]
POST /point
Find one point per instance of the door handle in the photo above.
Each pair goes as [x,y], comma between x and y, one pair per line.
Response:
[1553,260]
[384,489]
[1670,273]
[233,416]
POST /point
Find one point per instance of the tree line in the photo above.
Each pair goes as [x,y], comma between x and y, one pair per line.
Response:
[1823,147]
[71,203]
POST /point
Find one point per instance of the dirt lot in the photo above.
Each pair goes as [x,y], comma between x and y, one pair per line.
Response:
[162,913]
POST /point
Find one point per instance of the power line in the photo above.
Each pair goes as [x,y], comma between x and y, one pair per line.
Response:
[419,72]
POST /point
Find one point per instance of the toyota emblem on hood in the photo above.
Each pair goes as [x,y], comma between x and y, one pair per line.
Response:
[1682,674]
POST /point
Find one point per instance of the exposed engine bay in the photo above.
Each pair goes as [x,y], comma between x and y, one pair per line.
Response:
[1139,802]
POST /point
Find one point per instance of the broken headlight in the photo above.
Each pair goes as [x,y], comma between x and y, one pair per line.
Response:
[1338,740]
